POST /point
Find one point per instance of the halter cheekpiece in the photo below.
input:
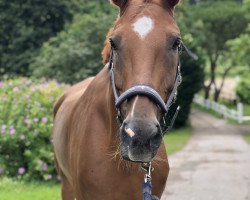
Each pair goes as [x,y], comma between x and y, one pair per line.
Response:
[154,96]
[145,90]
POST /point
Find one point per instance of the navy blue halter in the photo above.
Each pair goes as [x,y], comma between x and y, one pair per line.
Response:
[155,97]
[149,92]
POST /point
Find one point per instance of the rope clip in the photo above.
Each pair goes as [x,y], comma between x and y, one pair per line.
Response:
[147,168]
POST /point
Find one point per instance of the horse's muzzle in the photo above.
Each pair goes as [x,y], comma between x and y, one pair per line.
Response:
[140,140]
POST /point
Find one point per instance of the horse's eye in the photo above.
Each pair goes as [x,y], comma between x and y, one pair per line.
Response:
[177,45]
[112,43]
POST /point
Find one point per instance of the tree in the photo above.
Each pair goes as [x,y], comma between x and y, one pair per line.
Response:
[74,53]
[192,71]
[212,25]
[192,79]
[24,26]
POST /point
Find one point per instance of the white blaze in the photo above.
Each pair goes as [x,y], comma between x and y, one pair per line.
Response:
[143,26]
[133,107]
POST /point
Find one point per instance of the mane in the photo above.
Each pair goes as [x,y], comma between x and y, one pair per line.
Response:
[107,46]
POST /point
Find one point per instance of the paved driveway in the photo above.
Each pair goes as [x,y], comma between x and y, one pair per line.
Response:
[215,164]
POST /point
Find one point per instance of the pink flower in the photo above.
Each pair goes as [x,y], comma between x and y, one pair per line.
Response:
[35,119]
[15,89]
[44,120]
[21,170]
[49,177]
[12,131]
[4,127]
[44,167]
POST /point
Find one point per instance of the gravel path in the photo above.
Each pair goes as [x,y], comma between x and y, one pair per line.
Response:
[215,164]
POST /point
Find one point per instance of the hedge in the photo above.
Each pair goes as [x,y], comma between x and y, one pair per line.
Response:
[25,128]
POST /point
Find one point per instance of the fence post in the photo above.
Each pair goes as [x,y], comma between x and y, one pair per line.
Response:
[240,112]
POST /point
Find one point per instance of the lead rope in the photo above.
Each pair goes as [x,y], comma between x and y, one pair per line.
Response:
[147,185]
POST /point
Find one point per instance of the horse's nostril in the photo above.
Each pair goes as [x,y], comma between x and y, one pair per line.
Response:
[135,142]
[155,141]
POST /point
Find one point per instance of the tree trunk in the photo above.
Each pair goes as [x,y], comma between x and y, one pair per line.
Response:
[207,91]
[218,90]
[217,95]
[207,88]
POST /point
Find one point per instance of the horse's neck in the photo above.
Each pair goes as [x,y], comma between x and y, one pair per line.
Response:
[104,106]
[100,101]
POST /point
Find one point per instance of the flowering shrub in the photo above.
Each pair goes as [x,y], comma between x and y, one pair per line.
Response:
[25,128]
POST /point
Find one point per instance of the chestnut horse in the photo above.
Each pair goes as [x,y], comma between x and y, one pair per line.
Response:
[96,157]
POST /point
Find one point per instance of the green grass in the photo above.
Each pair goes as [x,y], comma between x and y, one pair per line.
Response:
[177,139]
[247,137]
[15,190]
[247,109]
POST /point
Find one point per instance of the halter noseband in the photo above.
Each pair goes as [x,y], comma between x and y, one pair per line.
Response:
[145,90]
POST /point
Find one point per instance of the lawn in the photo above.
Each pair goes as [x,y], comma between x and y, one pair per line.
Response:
[247,137]
[15,190]
[177,139]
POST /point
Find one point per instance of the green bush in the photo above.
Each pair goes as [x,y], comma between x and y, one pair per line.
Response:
[24,26]
[243,90]
[192,79]
[26,126]
[76,52]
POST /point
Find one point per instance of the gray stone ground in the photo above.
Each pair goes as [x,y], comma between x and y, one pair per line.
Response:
[215,164]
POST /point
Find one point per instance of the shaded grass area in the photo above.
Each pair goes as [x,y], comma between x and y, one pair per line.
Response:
[247,137]
[15,190]
[247,109]
[175,140]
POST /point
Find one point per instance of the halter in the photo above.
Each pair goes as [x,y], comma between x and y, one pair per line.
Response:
[154,96]
[145,90]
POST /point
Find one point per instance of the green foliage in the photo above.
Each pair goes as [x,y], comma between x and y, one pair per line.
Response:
[192,79]
[210,24]
[240,49]
[243,90]
[24,26]
[90,7]
[26,127]
[247,137]
[76,52]
[216,23]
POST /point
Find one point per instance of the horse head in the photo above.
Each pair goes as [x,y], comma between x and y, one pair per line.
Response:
[144,45]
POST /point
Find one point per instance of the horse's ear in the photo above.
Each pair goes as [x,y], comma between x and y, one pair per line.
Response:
[171,3]
[119,3]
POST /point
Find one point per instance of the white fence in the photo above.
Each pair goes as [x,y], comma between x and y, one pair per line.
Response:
[227,113]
